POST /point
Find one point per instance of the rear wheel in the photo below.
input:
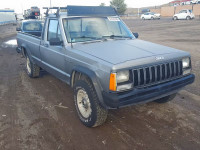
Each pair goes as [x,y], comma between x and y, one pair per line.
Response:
[152,18]
[143,18]
[32,70]
[166,99]
[188,18]
[175,18]
[89,110]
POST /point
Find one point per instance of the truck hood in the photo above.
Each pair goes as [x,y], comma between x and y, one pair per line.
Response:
[119,51]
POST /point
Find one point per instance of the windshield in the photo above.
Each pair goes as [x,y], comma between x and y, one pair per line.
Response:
[94,28]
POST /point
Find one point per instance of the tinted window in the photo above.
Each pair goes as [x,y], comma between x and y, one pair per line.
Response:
[53,30]
[183,11]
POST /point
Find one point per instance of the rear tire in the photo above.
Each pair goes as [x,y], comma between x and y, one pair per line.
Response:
[175,18]
[32,70]
[166,99]
[88,108]
[188,18]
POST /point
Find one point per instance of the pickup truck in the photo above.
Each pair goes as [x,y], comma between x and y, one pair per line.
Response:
[92,50]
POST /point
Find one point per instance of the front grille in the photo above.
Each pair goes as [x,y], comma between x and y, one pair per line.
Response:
[157,73]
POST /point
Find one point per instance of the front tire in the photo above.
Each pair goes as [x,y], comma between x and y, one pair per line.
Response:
[32,70]
[88,108]
[166,99]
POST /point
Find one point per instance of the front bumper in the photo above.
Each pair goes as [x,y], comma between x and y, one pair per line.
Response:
[146,94]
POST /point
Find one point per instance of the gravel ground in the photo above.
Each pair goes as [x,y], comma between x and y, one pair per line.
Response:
[39,114]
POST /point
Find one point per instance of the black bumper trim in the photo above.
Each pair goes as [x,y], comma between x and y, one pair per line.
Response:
[116,100]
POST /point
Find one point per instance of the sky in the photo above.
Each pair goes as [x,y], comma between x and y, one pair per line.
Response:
[20,5]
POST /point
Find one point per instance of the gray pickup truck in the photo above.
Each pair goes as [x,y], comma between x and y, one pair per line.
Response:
[93,51]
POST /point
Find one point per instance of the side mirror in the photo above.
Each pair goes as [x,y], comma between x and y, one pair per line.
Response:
[18,29]
[55,42]
[136,35]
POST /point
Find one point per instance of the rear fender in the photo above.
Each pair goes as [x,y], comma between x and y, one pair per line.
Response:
[26,51]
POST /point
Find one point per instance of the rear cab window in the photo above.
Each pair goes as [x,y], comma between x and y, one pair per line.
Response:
[32,26]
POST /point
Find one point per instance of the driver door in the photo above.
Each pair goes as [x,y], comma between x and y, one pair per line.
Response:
[53,57]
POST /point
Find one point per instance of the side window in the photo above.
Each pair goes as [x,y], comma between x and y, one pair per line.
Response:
[181,11]
[53,30]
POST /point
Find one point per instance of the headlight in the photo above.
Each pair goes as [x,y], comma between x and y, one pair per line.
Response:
[186,62]
[117,78]
[122,76]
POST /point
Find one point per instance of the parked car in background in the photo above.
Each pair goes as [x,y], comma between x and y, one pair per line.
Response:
[32,13]
[184,14]
[195,1]
[150,15]
[31,27]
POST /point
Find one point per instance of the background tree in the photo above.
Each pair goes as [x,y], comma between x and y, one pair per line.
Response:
[102,4]
[119,5]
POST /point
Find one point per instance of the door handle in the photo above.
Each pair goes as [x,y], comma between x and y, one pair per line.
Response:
[46,45]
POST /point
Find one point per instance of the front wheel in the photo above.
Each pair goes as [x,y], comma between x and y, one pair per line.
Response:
[32,70]
[90,112]
[166,99]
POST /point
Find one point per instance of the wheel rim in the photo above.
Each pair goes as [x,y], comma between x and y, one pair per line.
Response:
[83,103]
[28,65]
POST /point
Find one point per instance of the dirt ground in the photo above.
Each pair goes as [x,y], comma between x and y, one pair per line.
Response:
[39,114]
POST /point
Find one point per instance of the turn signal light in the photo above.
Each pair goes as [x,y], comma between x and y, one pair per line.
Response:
[113,83]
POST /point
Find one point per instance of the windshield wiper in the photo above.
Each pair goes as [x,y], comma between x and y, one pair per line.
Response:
[90,37]
[116,36]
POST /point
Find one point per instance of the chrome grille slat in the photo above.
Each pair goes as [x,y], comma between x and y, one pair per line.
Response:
[150,72]
[145,75]
[178,68]
[156,76]
[170,70]
[158,73]
[139,80]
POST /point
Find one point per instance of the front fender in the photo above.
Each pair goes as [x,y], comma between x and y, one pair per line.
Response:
[93,77]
